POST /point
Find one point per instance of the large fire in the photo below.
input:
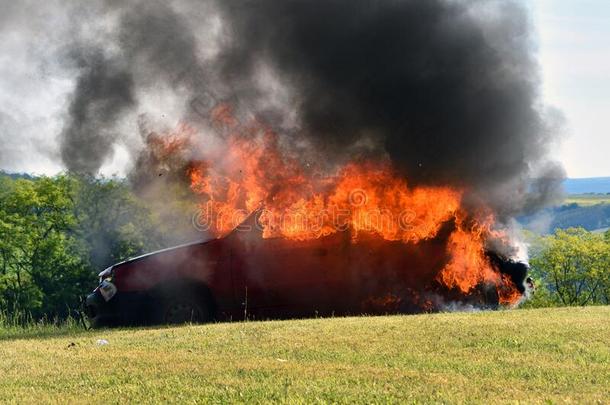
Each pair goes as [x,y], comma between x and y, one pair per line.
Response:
[252,171]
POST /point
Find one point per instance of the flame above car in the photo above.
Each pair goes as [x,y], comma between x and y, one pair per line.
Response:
[252,172]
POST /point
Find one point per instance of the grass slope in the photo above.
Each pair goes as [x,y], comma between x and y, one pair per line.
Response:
[586,200]
[556,355]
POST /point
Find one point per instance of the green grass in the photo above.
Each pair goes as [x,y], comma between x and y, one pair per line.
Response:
[586,200]
[531,356]
[22,325]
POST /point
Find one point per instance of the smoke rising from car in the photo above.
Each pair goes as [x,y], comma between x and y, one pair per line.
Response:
[448,90]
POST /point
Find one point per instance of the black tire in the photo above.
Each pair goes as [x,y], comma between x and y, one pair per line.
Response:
[180,304]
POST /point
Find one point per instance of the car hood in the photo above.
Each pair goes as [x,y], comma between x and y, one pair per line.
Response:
[156,252]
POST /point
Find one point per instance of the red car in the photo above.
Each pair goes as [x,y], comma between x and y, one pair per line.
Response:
[244,275]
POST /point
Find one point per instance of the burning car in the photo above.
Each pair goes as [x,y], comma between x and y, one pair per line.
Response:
[419,160]
[244,275]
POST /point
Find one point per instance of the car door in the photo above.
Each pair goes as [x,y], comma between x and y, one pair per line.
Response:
[280,278]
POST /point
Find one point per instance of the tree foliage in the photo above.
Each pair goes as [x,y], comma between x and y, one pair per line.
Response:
[37,254]
[57,233]
[573,268]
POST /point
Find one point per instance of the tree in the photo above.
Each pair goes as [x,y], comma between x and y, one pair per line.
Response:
[574,266]
[41,271]
[57,233]
[113,222]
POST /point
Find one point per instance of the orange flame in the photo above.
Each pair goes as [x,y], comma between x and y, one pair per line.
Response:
[253,170]
[468,265]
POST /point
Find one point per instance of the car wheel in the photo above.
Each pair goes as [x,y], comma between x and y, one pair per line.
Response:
[183,311]
[183,308]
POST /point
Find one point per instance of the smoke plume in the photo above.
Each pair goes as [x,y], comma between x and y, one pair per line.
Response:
[103,92]
[445,89]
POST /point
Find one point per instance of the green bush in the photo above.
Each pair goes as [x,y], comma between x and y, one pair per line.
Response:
[57,233]
[571,267]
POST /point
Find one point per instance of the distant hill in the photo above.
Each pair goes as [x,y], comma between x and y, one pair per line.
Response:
[596,185]
[592,217]
[15,176]
[587,205]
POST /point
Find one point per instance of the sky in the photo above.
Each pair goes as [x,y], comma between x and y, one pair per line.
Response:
[573,39]
[574,55]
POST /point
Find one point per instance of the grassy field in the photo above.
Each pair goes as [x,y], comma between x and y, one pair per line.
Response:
[587,199]
[532,356]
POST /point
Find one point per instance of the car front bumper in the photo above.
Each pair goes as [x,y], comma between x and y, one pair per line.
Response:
[125,308]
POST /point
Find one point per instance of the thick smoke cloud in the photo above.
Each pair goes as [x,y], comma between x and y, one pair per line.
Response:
[451,96]
[446,89]
[103,92]
[150,46]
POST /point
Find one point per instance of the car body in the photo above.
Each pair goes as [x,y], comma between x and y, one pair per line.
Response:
[244,275]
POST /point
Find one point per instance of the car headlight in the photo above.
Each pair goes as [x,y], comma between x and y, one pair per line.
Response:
[106,274]
[107,290]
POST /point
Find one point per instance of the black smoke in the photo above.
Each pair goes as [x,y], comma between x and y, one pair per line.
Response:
[104,91]
[446,89]
[451,96]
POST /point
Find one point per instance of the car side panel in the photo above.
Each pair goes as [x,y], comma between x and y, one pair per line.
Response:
[207,264]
